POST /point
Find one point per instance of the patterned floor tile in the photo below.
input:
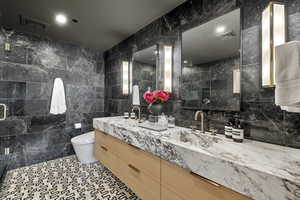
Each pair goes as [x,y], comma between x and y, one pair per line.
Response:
[64,179]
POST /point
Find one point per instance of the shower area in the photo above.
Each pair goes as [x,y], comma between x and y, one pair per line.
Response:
[12,98]
[24,135]
[46,86]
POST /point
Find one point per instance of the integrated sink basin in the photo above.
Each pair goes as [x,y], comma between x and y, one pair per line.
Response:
[194,138]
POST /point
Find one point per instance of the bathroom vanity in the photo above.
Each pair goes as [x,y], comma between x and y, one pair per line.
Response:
[179,164]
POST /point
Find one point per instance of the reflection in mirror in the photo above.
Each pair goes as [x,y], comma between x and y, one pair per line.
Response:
[144,70]
[210,55]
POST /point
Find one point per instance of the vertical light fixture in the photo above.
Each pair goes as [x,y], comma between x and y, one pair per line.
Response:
[273,34]
[130,77]
[125,74]
[168,55]
[236,81]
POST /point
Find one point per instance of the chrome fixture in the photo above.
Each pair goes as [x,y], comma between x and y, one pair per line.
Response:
[3,110]
[201,114]
[206,101]
[139,112]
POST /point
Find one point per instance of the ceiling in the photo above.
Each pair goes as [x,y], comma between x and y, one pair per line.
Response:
[147,56]
[102,23]
[202,44]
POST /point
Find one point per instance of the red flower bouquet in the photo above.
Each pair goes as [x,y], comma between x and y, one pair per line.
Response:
[157,96]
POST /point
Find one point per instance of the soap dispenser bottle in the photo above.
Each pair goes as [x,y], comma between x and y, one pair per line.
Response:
[228,128]
[163,121]
[238,131]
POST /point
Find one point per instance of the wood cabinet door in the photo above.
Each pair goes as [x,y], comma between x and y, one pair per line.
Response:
[180,184]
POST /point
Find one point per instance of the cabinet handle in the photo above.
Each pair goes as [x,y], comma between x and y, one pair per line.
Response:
[205,179]
[134,168]
[104,148]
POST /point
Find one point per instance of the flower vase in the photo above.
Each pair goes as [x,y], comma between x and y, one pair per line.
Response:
[155,109]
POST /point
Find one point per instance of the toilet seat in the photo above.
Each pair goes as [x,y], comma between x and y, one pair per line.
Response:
[84,147]
[87,138]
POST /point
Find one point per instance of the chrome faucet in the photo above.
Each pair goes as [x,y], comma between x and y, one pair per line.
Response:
[139,112]
[196,118]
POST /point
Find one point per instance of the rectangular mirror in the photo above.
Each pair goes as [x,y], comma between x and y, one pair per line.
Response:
[144,70]
[211,53]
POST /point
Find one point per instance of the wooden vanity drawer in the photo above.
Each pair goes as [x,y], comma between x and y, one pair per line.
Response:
[180,184]
[148,163]
[142,184]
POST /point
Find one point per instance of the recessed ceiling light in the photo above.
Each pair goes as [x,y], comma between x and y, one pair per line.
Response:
[185,62]
[61,19]
[220,29]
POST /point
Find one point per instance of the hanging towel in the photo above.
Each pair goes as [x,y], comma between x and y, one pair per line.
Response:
[287,76]
[58,100]
[135,95]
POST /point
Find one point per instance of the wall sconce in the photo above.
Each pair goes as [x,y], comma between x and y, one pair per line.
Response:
[236,81]
[273,34]
[130,77]
[125,78]
[168,55]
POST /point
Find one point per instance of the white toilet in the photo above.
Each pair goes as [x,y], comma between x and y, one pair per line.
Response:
[84,147]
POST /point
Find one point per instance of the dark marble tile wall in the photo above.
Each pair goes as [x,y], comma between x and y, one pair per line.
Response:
[263,120]
[27,74]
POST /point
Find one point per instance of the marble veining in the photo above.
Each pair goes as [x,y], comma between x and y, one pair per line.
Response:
[259,170]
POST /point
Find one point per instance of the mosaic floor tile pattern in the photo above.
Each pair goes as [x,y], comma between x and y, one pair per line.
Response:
[64,179]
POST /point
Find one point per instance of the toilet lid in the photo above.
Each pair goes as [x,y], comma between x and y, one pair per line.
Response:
[86,138]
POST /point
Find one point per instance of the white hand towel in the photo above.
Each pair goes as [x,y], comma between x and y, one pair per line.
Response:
[58,100]
[287,76]
[135,95]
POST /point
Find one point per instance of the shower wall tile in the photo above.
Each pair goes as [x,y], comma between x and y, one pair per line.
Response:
[38,90]
[20,72]
[31,132]
[12,127]
[36,107]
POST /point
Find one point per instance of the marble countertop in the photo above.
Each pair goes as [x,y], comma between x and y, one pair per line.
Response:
[259,170]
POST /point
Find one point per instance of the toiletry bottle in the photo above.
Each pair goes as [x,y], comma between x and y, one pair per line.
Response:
[238,132]
[163,121]
[228,128]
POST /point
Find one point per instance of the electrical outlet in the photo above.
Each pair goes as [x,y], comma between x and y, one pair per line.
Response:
[77,125]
